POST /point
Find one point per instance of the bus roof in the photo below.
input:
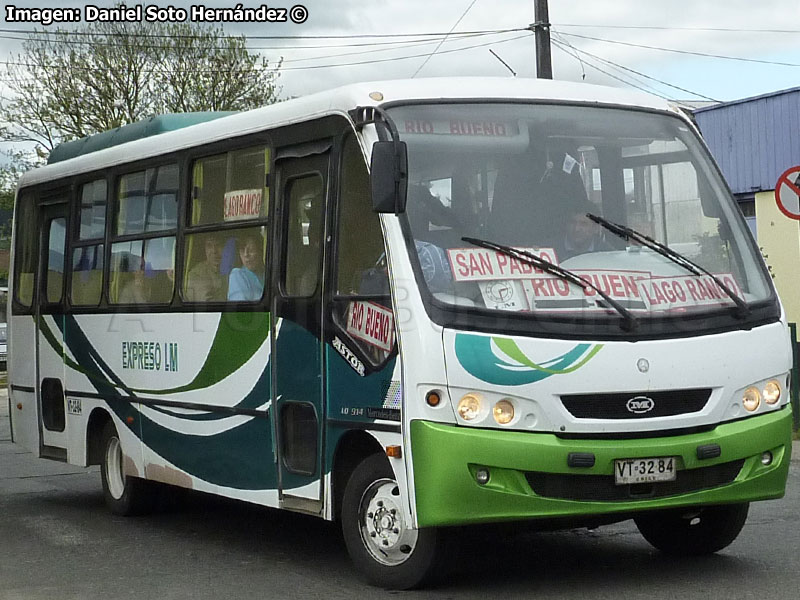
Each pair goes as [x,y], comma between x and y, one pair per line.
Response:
[339,101]
[128,133]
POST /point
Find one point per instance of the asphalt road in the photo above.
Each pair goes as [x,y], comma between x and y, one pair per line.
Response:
[57,541]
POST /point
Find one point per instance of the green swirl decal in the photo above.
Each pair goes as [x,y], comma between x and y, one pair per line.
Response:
[513,367]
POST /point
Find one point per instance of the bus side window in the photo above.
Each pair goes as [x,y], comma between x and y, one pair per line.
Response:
[229,191]
[87,259]
[305,200]
[87,275]
[361,264]
[56,236]
[142,271]
[26,238]
[230,187]
[148,200]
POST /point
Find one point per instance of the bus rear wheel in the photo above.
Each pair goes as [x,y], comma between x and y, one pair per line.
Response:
[694,531]
[381,544]
[124,495]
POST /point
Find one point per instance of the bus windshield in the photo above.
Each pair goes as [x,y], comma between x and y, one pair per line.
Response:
[532,177]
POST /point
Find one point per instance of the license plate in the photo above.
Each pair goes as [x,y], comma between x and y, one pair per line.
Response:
[644,470]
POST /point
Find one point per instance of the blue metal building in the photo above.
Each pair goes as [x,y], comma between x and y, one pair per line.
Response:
[754,140]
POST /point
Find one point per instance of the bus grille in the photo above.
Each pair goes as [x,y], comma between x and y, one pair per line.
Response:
[601,488]
[636,405]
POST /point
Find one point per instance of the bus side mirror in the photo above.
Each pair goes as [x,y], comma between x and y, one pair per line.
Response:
[389,177]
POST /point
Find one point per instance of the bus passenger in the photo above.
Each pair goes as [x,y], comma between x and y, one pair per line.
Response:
[247,282]
[205,282]
[135,291]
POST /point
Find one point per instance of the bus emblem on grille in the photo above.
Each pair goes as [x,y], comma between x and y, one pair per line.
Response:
[640,405]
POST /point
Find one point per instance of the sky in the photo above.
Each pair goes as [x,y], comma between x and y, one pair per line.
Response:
[720,27]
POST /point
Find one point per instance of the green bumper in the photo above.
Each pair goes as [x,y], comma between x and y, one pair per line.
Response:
[446,457]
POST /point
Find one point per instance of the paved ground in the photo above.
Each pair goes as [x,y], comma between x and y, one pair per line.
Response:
[20,471]
[57,541]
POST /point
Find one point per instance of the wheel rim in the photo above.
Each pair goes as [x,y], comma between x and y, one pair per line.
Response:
[115,476]
[384,532]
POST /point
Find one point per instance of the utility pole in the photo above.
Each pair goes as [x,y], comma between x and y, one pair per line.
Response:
[541,28]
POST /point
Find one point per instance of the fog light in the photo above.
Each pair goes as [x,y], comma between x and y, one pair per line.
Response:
[469,407]
[751,399]
[772,392]
[503,412]
[482,476]
[766,458]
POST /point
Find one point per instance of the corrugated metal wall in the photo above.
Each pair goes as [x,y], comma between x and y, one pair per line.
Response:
[754,140]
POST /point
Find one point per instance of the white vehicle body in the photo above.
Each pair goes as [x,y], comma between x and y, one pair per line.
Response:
[535,398]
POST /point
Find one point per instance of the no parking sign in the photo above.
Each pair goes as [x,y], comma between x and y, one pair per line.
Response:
[787,193]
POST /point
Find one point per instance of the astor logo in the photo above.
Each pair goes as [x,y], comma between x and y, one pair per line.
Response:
[348,355]
[640,405]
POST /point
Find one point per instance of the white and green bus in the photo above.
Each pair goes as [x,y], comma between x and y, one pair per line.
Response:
[407,306]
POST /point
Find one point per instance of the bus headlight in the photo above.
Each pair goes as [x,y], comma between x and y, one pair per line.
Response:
[503,412]
[751,399]
[772,392]
[470,406]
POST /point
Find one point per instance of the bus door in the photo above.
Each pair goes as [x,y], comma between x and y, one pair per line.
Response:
[297,321]
[49,327]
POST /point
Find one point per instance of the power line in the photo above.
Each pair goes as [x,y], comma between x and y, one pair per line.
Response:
[628,70]
[9,63]
[425,62]
[265,37]
[381,60]
[561,47]
[571,51]
[640,83]
[664,28]
[624,68]
[324,66]
[398,47]
[676,51]
[55,40]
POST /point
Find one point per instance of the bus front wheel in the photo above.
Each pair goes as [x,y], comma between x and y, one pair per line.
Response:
[124,495]
[695,531]
[381,544]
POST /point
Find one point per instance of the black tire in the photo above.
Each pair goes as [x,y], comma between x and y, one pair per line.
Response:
[693,531]
[399,558]
[124,495]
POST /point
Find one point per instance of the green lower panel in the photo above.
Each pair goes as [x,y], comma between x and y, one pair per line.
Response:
[446,456]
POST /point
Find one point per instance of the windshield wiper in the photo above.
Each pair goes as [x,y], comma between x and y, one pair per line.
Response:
[626,233]
[629,321]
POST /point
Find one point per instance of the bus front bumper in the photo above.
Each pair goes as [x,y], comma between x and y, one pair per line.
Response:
[529,477]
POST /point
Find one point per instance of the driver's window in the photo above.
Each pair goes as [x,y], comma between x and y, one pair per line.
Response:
[361,262]
[362,308]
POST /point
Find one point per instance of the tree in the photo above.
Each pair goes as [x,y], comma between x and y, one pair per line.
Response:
[69,84]
[17,163]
